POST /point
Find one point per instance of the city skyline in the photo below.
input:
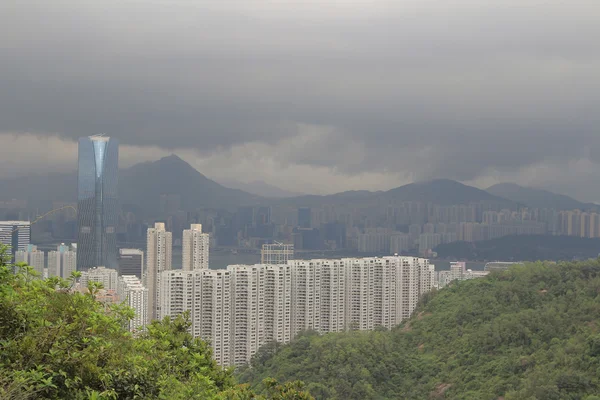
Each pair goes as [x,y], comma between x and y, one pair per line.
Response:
[343,95]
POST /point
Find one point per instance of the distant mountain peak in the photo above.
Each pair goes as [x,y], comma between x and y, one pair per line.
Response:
[441,182]
[142,184]
[172,159]
[444,192]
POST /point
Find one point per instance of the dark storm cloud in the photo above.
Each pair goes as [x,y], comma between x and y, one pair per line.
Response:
[417,88]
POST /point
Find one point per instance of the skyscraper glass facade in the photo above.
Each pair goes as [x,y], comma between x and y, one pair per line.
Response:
[98,205]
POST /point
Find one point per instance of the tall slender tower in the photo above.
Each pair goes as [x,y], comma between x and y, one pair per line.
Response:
[195,247]
[159,250]
[97,202]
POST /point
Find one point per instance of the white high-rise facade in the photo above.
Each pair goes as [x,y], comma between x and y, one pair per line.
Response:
[247,306]
[135,295]
[62,262]
[33,257]
[108,277]
[195,248]
[262,306]
[216,319]
[159,249]
[248,303]
[206,295]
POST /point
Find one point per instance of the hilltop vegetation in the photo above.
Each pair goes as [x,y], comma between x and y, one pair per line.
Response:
[55,344]
[532,332]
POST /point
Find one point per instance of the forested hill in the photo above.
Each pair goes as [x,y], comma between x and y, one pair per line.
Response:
[529,333]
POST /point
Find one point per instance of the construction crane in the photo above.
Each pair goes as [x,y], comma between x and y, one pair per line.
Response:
[40,217]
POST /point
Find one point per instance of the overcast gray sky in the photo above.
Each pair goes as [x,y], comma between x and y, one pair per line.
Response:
[311,96]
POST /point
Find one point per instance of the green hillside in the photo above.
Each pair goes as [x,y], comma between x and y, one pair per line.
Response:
[59,344]
[529,333]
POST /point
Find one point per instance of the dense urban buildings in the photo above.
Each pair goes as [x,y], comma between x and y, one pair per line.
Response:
[97,202]
[16,235]
[246,306]
[159,250]
[195,248]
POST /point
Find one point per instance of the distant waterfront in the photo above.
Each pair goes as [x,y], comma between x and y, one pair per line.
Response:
[221,259]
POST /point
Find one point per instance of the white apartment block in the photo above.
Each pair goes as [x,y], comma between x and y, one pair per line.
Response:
[216,320]
[240,309]
[131,291]
[195,248]
[106,276]
[62,262]
[159,248]
[206,295]
[278,303]
[247,289]
[318,292]
[33,257]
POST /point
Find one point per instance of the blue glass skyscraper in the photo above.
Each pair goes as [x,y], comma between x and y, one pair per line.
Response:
[97,202]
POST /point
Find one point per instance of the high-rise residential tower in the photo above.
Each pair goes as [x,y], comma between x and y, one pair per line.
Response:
[135,295]
[33,257]
[195,248]
[62,262]
[159,250]
[97,202]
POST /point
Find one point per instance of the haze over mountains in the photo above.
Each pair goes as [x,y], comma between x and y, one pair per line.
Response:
[439,191]
[260,188]
[538,198]
[142,184]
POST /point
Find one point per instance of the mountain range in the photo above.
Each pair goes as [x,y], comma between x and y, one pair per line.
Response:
[439,191]
[142,184]
[538,198]
[260,188]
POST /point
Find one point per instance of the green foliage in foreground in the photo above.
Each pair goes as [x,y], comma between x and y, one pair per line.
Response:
[532,332]
[55,344]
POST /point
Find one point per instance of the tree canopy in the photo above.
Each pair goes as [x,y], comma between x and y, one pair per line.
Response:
[532,332]
[56,343]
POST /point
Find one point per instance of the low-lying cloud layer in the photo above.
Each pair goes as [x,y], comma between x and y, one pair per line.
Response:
[310,96]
